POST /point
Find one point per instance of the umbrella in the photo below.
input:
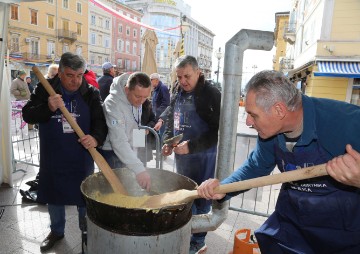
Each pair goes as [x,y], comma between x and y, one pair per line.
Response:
[149,63]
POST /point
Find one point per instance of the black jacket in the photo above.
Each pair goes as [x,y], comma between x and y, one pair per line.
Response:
[38,111]
[105,82]
[207,102]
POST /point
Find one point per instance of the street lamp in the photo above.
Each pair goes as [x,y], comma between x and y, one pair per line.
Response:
[218,55]
[184,27]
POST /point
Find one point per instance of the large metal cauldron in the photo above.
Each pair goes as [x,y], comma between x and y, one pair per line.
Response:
[137,222]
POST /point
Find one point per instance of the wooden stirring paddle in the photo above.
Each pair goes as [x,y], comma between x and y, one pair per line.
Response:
[98,158]
[184,196]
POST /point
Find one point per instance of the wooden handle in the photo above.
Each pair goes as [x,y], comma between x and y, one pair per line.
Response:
[97,157]
[293,175]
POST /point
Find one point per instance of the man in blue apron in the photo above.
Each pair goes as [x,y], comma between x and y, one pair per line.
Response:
[194,112]
[314,216]
[64,159]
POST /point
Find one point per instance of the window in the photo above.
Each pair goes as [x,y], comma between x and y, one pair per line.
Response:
[14,12]
[66,4]
[78,28]
[33,15]
[135,33]
[65,48]
[93,19]
[14,43]
[134,65]
[50,21]
[119,63]
[120,45]
[100,60]
[355,96]
[127,47]
[34,48]
[78,8]
[127,64]
[50,49]
[107,24]
[50,1]
[134,48]
[79,50]
[107,42]
[128,31]
[92,59]
[65,24]
[120,29]
[93,39]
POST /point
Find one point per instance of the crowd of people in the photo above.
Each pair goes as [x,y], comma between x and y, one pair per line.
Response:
[294,131]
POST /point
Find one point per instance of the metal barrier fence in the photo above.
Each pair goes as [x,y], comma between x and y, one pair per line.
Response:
[26,149]
[25,142]
[257,201]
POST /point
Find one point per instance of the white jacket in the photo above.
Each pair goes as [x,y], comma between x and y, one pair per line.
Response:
[120,119]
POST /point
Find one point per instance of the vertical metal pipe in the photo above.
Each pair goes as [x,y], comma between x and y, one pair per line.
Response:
[232,76]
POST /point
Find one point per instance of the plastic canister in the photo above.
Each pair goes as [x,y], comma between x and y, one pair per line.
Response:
[243,244]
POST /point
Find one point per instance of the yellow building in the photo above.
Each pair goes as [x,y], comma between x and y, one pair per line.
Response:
[280,62]
[40,32]
[325,46]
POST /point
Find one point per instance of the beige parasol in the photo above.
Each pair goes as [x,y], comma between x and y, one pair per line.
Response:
[150,41]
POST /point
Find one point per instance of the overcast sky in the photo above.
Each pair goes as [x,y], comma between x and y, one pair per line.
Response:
[227,17]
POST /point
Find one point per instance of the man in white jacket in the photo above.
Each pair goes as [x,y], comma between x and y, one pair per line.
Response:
[122,108]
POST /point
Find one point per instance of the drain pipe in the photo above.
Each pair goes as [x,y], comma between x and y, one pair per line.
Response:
[233,63]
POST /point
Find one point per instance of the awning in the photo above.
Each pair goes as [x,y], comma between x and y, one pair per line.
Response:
[338,69]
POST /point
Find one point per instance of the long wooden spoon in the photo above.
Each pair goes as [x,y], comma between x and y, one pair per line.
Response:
[98,158]
[183,196]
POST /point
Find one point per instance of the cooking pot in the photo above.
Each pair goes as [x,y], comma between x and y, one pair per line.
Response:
[130,221]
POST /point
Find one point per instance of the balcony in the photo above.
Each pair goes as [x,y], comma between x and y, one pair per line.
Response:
[67,35]
[286,64]
[290,32]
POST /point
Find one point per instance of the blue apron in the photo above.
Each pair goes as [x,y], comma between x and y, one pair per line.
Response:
[312,216]
[65,163]
[197,166]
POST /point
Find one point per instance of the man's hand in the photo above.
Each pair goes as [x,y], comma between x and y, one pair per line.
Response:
[144,180]
[346,168]
[55,102]
[158,125]
[182,148]
[166,150]
[88,141]
[206,189]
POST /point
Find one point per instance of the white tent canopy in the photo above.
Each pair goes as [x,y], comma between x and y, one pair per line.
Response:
[6,167]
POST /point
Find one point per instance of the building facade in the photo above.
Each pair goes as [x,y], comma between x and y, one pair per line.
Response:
[324,40]
[39,33]
[172,19]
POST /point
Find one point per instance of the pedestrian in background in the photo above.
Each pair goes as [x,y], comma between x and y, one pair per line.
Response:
[30,85]
[319,215]
[90,77]
[19,88]
[194,111]
[52,71]
[106,80]
[64,159]
[160,100]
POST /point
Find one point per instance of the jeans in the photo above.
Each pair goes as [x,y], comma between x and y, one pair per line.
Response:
[57,218]
[111,158]
[200,206]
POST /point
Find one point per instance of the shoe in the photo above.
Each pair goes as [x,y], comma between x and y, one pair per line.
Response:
[49,241]
[197,248]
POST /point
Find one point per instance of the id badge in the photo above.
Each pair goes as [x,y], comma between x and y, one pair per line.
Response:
[65,124]
[177,121]
[139,138]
